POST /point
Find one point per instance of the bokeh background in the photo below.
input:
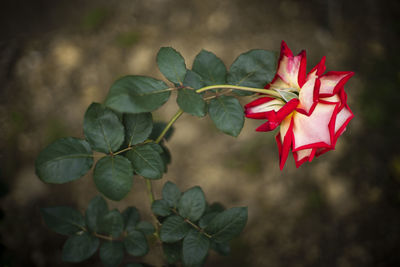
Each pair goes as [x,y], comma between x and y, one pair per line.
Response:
[56,57]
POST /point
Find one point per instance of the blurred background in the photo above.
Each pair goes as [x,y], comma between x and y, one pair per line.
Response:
[343,209]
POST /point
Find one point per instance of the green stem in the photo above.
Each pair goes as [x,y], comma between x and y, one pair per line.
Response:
[158,140]
[123,150]
[148,181]
[243,88]
[150,191]
[173,119]
[197,228]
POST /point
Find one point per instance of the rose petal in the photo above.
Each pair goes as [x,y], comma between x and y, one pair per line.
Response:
[303,155]
[330,100]
[265,104]
[308,95]
[309,92]
[277,83]
[284,140]
[266,110]
[292,69]
[267,126]
[333,81]
[343,118]
[315,130]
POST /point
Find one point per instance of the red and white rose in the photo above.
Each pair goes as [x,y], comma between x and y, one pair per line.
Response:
[312,112]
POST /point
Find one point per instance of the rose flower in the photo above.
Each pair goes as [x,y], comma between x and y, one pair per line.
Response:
[312,111]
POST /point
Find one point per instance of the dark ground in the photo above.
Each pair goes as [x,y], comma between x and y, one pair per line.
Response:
[343,209]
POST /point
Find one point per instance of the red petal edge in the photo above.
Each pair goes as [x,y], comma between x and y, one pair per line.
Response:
[285,147]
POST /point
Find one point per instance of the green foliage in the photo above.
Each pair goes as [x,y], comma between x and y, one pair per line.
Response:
[111,224]
[160,207]
[158,127]
[165,156]
[195,248]
[132,222]
[119,232]
[123,129]
[221,248]
[131,218]
[188,241]
[102,128]
[193,80]
[111,253]
[192,204]
[137,127]
[146,160]
[136,244]
[79,247]
[173,229]
[227,114]
[95,211]
[171,64]
[173,252]
[64,160]
[137,94]
[255,68]
[210,68]
[227,225]
[171,194]
[191,102]
[63,220]
[113,176]
[145,227]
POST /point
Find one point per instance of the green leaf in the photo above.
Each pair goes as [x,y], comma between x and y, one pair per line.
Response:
[113,176]
[131,218]
[227,224]
[191,102]
[221,248]
[96,209]
[211,69]
[166,156]
[172,251]
[255,68]
[171,194]
[137,127]
[227,114]
[145,227]
[160,207]
[216,206]
[63,220]
[78,248]
[111,253]
[195,248]
[207,218]
[193,80]
[192,204]
[137,94]
[173,229]
[102,128]
[111,224]
[136,244]
[158,127]
[64,160]
[171,64]
[146,161]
